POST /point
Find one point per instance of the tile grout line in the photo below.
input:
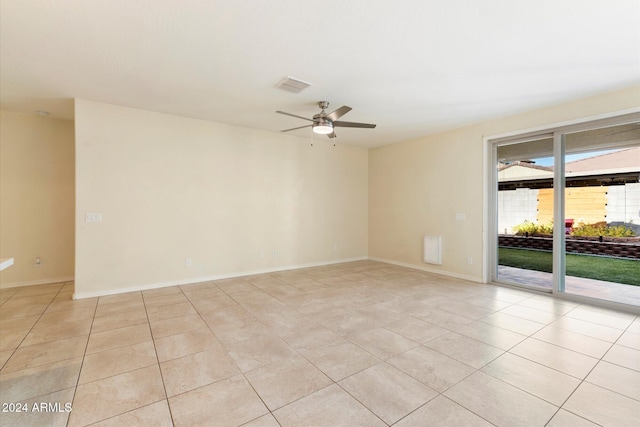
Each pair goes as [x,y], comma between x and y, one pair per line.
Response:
[84,355]
[13,351]
[155,351]
[582,380]
[300,355]
[30,329]
[105,350]
[530,336]
[228,355]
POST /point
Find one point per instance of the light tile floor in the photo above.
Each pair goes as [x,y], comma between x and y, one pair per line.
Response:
[355,344]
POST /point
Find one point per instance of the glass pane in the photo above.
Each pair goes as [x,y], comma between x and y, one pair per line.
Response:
[602,208]
[525,213]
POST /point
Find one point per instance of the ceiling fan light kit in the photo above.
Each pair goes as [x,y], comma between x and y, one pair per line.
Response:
[323,127]
[324,124]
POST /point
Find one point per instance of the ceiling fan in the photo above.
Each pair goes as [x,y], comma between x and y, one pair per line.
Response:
[324,123]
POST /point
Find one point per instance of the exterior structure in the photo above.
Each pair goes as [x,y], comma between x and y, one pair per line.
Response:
[602,188]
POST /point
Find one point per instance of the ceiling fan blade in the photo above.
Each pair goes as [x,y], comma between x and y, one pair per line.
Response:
[335,115]
[301,127]
[293,115]
[353,125]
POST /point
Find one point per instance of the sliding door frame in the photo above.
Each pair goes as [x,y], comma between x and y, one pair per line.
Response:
[490,222]
[492,197]
[559,239]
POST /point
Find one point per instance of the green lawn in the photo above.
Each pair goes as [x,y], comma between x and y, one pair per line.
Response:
[589,266]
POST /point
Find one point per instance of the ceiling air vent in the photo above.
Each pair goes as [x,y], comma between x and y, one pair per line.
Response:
[292,85]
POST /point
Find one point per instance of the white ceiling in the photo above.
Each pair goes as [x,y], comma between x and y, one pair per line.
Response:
[414,67]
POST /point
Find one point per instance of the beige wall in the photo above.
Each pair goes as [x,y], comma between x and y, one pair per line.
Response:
[36,198]
[171,188]
[417,187]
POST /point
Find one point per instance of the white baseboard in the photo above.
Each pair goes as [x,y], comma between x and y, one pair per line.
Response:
[428,270]
[36,282]
[101,293]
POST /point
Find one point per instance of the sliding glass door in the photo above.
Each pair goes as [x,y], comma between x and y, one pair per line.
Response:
[525,212]
[566,210]
[602,211]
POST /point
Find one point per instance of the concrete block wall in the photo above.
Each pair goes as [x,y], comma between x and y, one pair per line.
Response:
[623,203]
[516,206]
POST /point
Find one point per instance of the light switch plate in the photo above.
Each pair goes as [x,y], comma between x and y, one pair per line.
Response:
[93,217]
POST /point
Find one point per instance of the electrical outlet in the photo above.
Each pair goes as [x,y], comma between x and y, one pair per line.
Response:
[187,262]
[469,260]
[261,254]
[274,253]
